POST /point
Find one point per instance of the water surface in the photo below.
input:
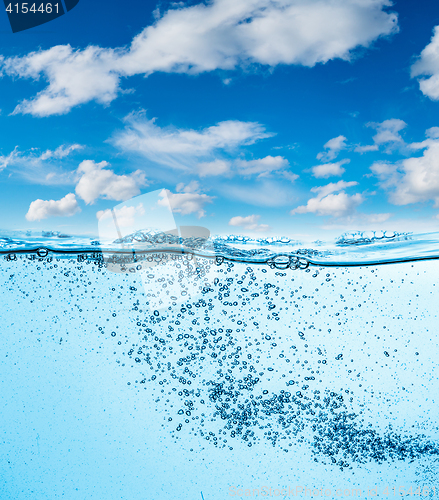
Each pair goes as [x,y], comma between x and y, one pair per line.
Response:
[304,368]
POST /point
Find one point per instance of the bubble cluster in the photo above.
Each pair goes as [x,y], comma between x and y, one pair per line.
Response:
[317,358]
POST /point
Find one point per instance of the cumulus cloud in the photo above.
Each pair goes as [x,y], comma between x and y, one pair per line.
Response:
[333,147]
[95,181]
[427,65]
[329,169]
[413,179]
[387,132]
[187,200]
[183,148]
[43,209]
[74,77]
[222,34]
[328,203]
[432,133]
[249,223]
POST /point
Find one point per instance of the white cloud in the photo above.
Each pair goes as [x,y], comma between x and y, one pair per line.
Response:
[97,182]
[432,133]
[333,147]
[288,175]
[386,172]
[262,166]
[43,209]
[222,34]
[387,132]
[366,149]
[337,205]
[183,148]
[192,187]
[9,159]
[187,200]
[427,64]
[333,187]
[60,152]
[327,203]
[213,168]
[40,168]
[412,180]
[74,76]
[328,169]
[249,223]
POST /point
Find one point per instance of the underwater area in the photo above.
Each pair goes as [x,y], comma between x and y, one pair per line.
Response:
[284,371]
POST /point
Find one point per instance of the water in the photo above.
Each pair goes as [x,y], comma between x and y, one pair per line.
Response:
[294,371]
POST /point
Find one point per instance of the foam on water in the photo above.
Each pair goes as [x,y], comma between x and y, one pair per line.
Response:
[313,351]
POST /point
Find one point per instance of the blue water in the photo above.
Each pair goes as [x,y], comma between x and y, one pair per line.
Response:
[288,369]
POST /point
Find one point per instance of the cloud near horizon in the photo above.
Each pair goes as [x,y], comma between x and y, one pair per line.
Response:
[249,223]
[43,209]
[328,203]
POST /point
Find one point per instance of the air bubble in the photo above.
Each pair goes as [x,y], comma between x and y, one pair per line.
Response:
[42,252]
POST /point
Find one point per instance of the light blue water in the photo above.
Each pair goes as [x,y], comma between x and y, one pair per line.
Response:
[295,372]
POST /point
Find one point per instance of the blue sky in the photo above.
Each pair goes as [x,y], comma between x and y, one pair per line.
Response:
[260,117]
